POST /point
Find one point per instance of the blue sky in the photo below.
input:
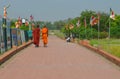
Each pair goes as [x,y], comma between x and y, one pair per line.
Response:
[53,10]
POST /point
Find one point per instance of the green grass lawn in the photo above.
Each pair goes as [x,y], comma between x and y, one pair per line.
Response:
[59,34]
[112,46]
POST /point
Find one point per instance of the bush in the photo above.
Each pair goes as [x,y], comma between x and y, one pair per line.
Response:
[115,32]
[23,27]
[103,34]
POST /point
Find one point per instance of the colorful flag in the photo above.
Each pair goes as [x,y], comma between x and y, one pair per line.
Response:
[78,23]
[31,17]
[112,15]
[71,26]
[93,20]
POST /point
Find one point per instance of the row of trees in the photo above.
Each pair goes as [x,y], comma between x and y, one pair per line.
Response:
[52,26]
[83,32]
[88,32]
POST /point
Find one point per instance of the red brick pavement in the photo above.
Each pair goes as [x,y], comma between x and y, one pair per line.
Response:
[60,60]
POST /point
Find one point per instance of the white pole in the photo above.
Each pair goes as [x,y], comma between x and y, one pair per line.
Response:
[109,35]
[109,29]
[91,31]
[79,34]
[85,33]
[85,25]
[98,29]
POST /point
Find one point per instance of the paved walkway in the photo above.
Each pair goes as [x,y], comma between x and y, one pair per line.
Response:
[60,60]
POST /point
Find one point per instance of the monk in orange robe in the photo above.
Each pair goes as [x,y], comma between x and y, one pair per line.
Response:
[45,36]
[36,36]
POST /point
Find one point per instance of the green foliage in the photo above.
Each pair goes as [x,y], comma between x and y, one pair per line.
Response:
[103,35]
[12,26]
[104,22]
[73,21]
[110,45]
[49,25]
[116,22]
[59,24]
[23,27]
[13,23]
[115,32]
[59,33]
[93,42]
[114,50]
[86,14]
[88,33]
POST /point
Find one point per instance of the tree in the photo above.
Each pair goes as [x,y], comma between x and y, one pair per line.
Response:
[59,24]
[87,14]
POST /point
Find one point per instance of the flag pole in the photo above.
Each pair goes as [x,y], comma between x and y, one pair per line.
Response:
[91,31]
[108,48]
[78,25]
[98,29]
[85,33]
[109,29]
[85,25]
[91,26]
[79,34]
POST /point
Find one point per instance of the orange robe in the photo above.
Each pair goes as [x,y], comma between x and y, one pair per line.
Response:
[45,35]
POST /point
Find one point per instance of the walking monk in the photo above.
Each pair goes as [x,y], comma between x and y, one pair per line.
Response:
[36,36]
[45,35]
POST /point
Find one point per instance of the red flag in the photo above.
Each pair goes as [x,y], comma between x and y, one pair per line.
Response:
[93,20]
[31,17]
[112,15]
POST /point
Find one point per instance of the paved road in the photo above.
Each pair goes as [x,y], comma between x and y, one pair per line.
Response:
[60,60]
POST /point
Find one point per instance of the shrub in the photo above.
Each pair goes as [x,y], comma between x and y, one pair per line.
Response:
[115,32]
[103,34]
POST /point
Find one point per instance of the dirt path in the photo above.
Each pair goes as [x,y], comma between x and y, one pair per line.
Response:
[60,60]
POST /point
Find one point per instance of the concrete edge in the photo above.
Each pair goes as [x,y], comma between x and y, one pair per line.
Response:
[7,55]
[107,55]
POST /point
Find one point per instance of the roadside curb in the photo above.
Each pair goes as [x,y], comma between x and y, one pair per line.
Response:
[101,52]
[7,55]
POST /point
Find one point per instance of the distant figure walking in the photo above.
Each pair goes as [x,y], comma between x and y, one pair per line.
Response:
[36,36]
[45,36]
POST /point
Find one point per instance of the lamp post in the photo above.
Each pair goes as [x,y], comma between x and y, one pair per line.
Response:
[4,20]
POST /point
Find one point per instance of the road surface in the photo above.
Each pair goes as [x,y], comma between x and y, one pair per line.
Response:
[60,60]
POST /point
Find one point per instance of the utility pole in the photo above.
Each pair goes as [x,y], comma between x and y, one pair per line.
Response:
[4,25]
